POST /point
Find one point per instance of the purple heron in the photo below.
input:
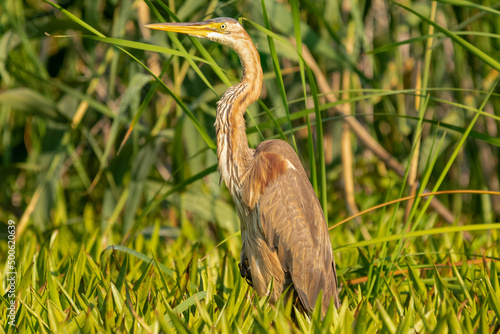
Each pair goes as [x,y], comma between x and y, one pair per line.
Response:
[283,230]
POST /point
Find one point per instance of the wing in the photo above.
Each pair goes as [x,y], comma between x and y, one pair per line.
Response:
[293,222]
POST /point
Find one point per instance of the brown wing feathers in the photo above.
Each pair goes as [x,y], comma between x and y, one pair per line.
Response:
[262,171]
[292,220]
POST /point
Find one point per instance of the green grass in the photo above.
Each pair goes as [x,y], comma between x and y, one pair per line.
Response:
[108,167]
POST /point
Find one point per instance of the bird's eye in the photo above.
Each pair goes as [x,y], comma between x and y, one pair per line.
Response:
[223,26]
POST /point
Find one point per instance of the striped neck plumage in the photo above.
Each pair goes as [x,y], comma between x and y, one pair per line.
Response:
[232,144]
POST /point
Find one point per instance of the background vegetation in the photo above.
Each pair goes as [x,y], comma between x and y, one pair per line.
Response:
[108,164]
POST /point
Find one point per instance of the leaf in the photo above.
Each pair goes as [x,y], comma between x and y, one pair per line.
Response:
[145,47]
[362,318]
[172,315]
[464,3]
[53,293]
[8,42]
[408,320]
[493,299]
[32,103]
[484,328]
[189,302]
[433,231]
[53,319]
[118,299]
[386,319]
[140,256]
[122,274]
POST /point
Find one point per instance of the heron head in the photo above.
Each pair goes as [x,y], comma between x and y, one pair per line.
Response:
[223,30]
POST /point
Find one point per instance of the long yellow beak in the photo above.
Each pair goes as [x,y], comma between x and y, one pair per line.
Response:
[201,29]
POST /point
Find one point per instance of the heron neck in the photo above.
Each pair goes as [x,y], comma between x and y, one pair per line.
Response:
[233,151]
